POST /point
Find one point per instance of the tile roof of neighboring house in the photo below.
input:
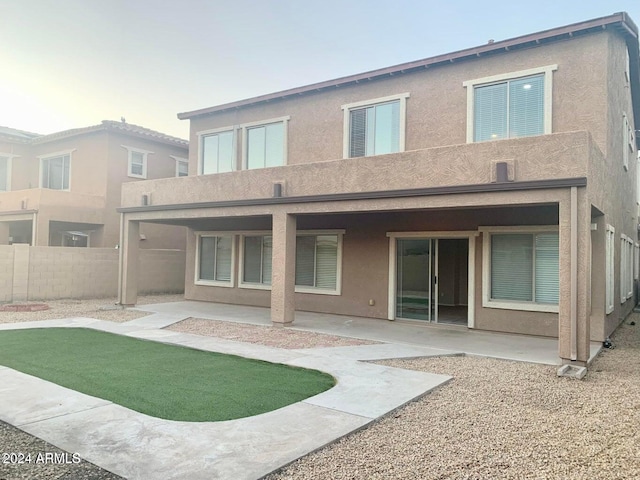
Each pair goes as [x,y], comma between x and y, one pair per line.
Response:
[113,126]
[618,21]
[17,135]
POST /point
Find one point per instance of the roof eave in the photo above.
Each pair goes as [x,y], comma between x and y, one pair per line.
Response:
[621,19]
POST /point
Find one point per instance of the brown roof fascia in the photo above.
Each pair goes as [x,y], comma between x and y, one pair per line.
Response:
[382,194]
[621,19]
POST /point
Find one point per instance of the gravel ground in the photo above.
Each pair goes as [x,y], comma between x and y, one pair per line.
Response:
[263,335]
[495,420]
[500,419]
[101,309]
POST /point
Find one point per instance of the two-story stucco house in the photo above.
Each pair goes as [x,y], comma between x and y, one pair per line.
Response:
[63,189]
[492,188]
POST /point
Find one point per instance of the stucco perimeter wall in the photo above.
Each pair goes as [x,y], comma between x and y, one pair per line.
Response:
[6,272]
[61,272]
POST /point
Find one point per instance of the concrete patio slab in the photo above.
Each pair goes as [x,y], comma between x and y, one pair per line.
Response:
[380,351]
[156,320]
[138,446]
[524,348]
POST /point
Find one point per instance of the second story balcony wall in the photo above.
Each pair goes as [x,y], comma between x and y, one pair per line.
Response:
[42,198]
[555,156]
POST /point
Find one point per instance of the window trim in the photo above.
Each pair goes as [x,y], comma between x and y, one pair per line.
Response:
[241,282]
[215,131]
[9,157]
[470,85]
[180,160]
[263,123]
[49,156]
[628,143]
[215,283]
[130,151]
[346,121]
[610,264]
[626,268]
[323,291]
[487,301]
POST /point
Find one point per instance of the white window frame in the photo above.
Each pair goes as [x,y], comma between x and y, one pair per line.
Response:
[144,153]
[626,268]
[470,85]
[215,131]
[263,123]
[609,268]
[9,158]
[628,141]
[636,259]
[241,282]
[215,283]
[324,291]
[487,301]
[179,161]
[346,120]
[50,156]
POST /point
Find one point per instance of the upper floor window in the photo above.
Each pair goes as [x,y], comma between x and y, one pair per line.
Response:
[182,167]
[265,144]
[628,141]
[217,152]
[55,171]
[137,162]
[374,127]
[511,105]
[5,173]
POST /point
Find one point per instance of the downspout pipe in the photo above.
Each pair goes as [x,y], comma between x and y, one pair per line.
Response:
[574,273]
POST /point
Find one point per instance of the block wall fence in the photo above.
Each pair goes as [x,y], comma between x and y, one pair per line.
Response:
[48,273]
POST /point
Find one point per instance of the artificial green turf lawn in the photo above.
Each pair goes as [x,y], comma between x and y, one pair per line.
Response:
[165,381]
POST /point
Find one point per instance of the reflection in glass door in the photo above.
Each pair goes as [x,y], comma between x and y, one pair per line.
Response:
[416,291]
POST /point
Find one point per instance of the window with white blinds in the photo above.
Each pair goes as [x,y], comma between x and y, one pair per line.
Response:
[317,262]
[375,130]
[256,259]
[510,109]
[217,152]
[55,172]
[524,267]
[215,259]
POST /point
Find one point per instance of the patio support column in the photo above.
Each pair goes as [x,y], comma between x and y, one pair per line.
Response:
[575,274]
[283,274]
[4,233]
[128,265]
[40,231]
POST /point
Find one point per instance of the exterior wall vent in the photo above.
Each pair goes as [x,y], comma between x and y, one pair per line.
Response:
[146,199]
[277,190]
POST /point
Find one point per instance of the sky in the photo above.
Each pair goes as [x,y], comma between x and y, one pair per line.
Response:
[73,63]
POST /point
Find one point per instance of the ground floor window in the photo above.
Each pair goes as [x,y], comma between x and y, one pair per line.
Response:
[256,259]
[317,262]
[609,267]
[626,268]
[522,270]
[214,260]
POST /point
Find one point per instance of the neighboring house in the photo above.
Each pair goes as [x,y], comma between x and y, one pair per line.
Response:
[63,189]
[493,187]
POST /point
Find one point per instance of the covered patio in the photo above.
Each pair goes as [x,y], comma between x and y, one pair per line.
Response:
[399,338]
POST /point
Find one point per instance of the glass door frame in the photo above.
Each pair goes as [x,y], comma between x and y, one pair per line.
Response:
[393,244]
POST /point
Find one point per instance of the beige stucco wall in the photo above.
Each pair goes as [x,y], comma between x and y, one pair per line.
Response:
[99,165]
[62,272]
[436,109]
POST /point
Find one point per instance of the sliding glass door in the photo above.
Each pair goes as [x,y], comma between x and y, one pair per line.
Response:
[416,268]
